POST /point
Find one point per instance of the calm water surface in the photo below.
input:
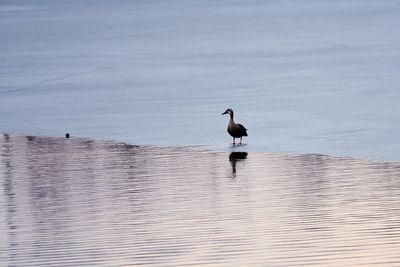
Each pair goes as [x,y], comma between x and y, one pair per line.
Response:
[304,77]
[78,202]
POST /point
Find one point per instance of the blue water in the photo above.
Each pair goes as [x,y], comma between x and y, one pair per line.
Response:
[303,77]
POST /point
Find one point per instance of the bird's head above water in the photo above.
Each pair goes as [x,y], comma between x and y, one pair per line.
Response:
[228,111]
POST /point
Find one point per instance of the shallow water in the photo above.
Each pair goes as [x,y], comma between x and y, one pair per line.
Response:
[80,202]
[303,76]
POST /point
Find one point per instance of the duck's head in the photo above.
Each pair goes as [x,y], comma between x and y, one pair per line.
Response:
[228,111]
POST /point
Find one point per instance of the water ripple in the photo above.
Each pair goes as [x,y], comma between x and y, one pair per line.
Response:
[78,202]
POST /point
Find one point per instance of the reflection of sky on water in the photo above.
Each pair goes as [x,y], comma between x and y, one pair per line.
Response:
[303,76]
[79,202]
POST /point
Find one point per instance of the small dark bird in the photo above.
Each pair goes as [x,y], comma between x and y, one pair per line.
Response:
[67,135]
[234,129]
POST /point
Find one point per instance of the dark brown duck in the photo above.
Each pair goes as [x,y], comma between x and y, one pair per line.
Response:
[236,130]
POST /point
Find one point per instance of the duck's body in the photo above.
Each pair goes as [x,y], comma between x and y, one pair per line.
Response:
[236,130]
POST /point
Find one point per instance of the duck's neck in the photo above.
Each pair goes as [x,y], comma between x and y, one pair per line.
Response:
[231,121]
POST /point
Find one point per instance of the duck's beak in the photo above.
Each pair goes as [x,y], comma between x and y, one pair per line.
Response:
[224,113]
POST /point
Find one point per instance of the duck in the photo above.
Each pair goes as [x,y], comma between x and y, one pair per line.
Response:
[236,130]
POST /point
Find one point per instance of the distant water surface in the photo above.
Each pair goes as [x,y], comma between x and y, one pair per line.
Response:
[81,202]
[304,77]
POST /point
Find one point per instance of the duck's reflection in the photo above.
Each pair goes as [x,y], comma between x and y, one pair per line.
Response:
[235,157]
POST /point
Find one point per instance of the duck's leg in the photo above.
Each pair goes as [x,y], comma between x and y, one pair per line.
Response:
[233,140]
[241,140]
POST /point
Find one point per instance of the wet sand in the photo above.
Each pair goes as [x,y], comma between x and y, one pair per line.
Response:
[82,202]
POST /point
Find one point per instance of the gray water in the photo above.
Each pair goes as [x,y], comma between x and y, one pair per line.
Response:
[80,202]
[303,76]
[307,78]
